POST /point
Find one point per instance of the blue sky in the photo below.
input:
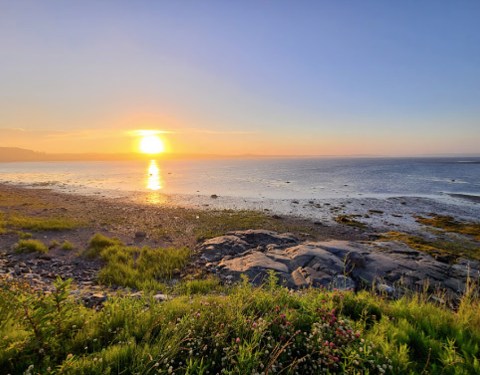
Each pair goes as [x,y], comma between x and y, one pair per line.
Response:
[273,77]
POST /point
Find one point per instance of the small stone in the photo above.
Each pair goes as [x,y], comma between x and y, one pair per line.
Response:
[160,297]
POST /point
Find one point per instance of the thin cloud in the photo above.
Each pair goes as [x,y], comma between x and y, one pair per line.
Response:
[208,131]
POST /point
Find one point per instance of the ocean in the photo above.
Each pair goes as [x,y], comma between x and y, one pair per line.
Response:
[266,178]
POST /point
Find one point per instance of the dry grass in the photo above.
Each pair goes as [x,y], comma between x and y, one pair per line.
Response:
[449,248]
[449,224]
[349,220]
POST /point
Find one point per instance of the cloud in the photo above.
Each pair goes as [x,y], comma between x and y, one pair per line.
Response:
[208,131]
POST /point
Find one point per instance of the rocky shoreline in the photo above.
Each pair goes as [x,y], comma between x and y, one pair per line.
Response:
[347,251]
[389,267]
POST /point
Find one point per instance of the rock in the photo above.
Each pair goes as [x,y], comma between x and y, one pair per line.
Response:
[160,297]
[216,248]
[95,300]
[136,295]
[386,289]
[337,264]
[342,282]
[252,261]
[214,196]
[140,235]
[299,279]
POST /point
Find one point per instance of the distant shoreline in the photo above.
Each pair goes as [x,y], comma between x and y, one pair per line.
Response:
[15,154]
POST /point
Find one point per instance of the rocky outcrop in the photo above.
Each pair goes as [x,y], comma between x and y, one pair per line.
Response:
[390,266]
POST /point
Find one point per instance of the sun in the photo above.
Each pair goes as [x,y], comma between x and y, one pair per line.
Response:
[151,144]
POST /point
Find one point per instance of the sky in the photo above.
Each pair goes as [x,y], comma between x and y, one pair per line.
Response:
[246,77]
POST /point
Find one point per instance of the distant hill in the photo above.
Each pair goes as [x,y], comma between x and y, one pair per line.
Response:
[20,154]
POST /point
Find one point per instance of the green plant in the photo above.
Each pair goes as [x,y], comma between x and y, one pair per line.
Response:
[30,246]
[67,246]
[133,267]
[99,242]
[42,223]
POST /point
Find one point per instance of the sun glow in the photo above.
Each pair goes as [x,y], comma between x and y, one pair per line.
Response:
[151,144]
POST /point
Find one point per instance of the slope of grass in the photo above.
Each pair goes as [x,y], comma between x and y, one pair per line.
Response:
[245,331]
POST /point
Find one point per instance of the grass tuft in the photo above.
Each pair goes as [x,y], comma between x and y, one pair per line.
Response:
[67,246]
[99,242]
[30,246]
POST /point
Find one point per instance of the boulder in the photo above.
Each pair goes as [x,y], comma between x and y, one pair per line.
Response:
[336,264]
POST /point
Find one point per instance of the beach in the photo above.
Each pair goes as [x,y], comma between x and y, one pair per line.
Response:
[142,223]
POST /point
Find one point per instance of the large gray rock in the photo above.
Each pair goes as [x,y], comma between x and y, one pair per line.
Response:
[334,264]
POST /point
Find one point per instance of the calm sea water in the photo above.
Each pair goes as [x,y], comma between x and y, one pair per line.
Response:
[260,178]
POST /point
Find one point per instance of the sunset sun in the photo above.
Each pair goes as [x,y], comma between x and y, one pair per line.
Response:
[151,144]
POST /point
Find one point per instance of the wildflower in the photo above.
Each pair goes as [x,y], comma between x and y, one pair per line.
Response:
[237,340]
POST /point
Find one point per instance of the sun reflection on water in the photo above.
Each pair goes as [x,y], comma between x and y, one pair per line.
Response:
[154,183]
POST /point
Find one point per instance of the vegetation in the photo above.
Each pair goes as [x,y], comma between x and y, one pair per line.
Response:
[140,268]
[349,220]
[449,224]
[42,223]
[30,246]
[244,330]
[67,246]
[448,248]
[99,242]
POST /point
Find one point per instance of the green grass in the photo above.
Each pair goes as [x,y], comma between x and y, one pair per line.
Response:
[42,223]
[208,285]
[67,246]
[140,268]
[245,330]
[30,246]
[216,223]
[3,230]
[99,242]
